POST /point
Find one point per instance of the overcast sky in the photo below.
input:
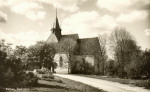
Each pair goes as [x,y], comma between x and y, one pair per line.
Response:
[23,22]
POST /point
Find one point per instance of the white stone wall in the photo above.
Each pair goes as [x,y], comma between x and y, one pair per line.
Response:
[64,67]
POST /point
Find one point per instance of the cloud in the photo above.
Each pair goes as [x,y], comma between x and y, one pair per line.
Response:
[107,22]
[132,16]
[9,2]
[24,7]
[31,10]
[35,15]
[147,32]
[66,5]
[120,5]
[24,38]
[34,10]
[3,17]
[88,26]
[113,5]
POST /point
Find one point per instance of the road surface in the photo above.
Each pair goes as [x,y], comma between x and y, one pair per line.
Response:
[105,85]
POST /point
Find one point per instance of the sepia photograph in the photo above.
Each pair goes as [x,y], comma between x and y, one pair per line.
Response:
[74,45]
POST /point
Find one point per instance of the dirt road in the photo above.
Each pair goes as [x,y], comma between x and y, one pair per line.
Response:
[103,84]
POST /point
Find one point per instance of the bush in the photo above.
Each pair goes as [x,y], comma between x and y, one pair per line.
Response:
[81,66]
[26,80]
[48,76]
[29,80]
[143,83]
[11,72]
[110,68]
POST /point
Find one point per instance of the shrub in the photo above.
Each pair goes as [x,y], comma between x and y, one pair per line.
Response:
[26,80]
[30,80]
[110,68]
[143,83]
[80,66]
[48,76]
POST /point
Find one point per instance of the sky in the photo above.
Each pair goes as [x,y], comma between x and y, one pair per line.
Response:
[23,22]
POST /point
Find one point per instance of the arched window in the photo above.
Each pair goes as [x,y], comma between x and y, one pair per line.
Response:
[61,61]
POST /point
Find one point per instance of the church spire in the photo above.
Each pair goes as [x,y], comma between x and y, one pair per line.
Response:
[57,22]
[56,28]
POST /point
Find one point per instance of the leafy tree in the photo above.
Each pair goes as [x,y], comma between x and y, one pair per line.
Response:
[20,51]
[41,55]
[46,56]
[3,56]
[124,47]
[2,45]
[146,65]
[12,70]
[81,66]
[33,55]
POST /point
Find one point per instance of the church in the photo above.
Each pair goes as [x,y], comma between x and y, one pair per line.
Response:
[88,48]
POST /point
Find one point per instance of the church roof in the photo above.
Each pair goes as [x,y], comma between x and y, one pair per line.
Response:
[75,36]
[89,46]
[52,39]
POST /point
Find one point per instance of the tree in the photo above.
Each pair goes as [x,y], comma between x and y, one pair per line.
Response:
[145,67]
[20,51]
[133,67]
[2,45]
[46,56]
[10,67]
[5,47]
[41,55]
[103,39]
[12,71]
[33,55]
[124,47]
[3,56]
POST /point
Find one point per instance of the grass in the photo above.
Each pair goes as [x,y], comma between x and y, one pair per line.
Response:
[56,85]
[140,83]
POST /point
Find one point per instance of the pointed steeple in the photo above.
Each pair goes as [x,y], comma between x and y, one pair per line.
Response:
[57,22]
[56,28]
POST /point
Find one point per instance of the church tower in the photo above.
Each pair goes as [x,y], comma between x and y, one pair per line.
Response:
[56,29]
[56,32]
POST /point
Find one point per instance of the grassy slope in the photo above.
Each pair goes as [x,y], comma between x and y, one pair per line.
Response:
[46,86]
[80,86]
[58,85]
